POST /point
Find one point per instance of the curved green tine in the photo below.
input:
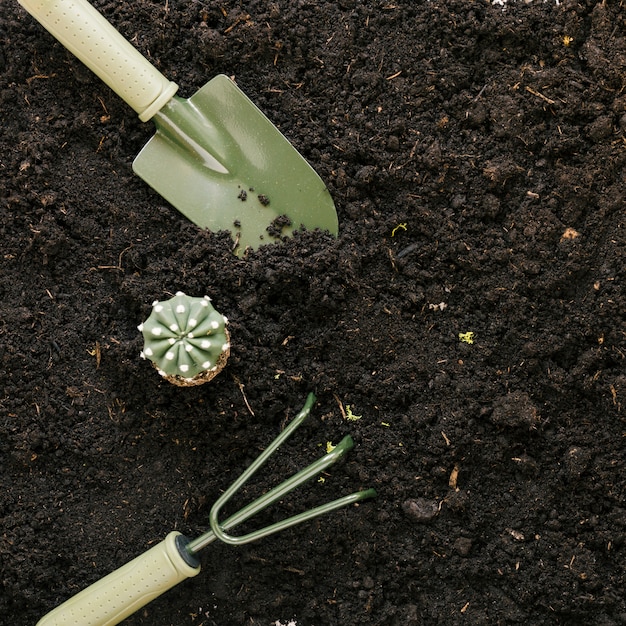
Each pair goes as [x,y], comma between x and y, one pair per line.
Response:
[301,517]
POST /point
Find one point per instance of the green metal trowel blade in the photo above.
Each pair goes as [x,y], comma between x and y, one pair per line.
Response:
[225,166]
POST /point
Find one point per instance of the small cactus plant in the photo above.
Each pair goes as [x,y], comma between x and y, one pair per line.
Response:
[186,339]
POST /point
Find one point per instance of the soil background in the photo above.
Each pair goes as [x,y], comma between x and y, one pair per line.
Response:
[476,157]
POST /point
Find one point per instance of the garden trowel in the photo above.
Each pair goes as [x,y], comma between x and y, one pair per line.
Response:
[215,156]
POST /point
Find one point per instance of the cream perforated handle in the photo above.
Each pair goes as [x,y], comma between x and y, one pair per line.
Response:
[92,39]
[124,591]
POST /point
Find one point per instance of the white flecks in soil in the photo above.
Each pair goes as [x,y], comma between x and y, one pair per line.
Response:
[504,3]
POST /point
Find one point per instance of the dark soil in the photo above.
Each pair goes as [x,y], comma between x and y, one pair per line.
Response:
[477,157]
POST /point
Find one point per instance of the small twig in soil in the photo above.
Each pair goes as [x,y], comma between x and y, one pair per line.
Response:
[241,19]
[243,393]
[343,412]
[480,93]
[540,95]
[39,77]
[119,262]
[393,262]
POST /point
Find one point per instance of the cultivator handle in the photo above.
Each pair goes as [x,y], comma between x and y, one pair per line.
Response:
[94,41]
[122,592]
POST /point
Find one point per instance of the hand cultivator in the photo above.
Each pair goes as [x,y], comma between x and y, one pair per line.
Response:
[124,591]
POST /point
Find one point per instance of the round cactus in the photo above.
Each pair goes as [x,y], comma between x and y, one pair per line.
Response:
[186,339]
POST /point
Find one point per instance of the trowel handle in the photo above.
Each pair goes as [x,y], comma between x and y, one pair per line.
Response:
[92,39]
[124,591]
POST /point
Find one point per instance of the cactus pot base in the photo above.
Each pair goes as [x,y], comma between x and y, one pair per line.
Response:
[202,377]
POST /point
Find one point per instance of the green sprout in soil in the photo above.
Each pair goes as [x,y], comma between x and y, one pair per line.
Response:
[350,416]
[398,227]
[467,337]
[186,339]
